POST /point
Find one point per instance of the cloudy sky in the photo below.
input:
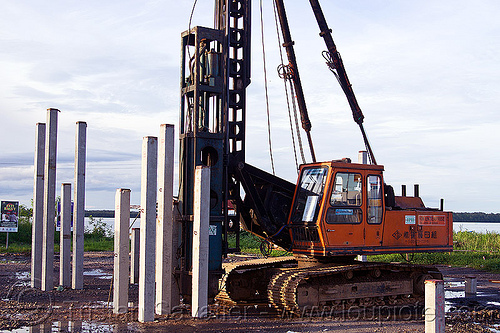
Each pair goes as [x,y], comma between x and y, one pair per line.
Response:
[426,75]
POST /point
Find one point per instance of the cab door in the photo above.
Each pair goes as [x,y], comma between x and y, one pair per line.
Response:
[343,217]
[374,210]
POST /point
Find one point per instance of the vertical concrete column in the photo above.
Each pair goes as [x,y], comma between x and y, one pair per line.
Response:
[201,221]
[65,237]
[37,225]
[134,255]
[79,213]
[120,271]
[148,230]
[434,306]
[166,291]
[49,200]
[470,286]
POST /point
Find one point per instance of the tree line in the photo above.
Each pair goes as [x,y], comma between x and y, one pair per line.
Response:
[476,217]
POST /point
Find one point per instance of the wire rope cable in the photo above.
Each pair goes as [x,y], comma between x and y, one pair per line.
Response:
[281,69]
[190,20]
[297,124]
[265,88]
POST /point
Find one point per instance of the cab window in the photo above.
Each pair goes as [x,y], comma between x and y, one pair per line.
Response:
[346,199]
[309,194]
[375,199]
[346,190]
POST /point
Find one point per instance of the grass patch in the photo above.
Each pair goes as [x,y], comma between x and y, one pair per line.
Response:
[478,242]
[16,248]
[472,249]
[97,236]
[477,260]
[250,243]
[104,244]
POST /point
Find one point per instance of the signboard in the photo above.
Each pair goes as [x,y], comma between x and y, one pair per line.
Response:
[432,220]
[410,219]
[10,216]
[340,211]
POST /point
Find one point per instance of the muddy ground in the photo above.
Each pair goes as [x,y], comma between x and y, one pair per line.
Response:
[23,309]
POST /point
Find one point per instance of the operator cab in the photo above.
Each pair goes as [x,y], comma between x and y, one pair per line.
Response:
[339,208]
[345,204]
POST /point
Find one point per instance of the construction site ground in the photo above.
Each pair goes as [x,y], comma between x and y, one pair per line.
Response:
[23,309]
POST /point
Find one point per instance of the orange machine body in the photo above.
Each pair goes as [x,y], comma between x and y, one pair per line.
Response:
[342,208]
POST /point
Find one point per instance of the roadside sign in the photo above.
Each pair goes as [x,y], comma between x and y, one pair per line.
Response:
[10,216]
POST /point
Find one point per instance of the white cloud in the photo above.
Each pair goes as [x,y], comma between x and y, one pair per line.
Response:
[425,74]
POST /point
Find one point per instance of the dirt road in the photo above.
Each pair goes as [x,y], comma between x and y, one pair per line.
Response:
[89,310]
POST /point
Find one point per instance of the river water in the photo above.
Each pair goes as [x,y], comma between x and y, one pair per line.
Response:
[477,227]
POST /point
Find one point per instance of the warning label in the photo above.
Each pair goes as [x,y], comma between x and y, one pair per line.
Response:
[212,230]
[409,219]
[432,220]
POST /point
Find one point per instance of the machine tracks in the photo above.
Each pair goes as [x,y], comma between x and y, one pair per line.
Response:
[246,281]
[336,287]
[341,287]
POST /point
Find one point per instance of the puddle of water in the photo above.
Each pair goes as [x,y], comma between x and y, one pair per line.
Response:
[454,284]
[448,294]
[495,328]
[450,306]
[93,272]
[98,273]
[494,303]
[10,261]
[69,326]
[23,275]
[455,297]
[105,304]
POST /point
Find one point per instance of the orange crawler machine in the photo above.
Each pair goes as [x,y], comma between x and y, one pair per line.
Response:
[345,209]
[337,211]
